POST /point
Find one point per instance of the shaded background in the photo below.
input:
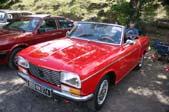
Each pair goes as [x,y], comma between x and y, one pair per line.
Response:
[150,15]
[100,10]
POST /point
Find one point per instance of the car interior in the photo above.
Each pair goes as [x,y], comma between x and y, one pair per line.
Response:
[48,25]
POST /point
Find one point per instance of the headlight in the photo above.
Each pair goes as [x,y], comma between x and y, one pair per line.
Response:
[22,62]
[71,79]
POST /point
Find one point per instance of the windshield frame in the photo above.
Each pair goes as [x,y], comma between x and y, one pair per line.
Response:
[82,22]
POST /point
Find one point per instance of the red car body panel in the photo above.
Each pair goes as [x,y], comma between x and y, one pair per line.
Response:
[90,60]
[10,39]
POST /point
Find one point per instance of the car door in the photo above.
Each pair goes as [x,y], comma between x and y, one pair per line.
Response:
[129,58]
[132,52]
[48,30]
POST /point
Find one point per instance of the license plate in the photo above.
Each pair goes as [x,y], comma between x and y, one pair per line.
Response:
[41,89]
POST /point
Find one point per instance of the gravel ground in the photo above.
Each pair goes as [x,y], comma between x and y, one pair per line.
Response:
[145,90]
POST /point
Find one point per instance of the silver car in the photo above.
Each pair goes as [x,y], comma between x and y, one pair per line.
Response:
[7,16]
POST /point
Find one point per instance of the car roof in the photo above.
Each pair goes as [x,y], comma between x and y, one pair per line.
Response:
[100,23]
[14,11]
[39,15]
[44,16]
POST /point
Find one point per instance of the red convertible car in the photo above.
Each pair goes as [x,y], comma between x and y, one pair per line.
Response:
[30,30]
[82,65]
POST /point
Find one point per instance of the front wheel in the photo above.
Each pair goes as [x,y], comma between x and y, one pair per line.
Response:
[100,94]
[12,62]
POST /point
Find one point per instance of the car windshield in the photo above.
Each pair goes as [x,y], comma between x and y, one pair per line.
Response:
[2,16]
[107,33]
[27,25]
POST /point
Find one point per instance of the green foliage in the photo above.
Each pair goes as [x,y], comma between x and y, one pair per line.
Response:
[7,3]
[95,10]
[137,10]
[75,9]
[149,12]
[122,12]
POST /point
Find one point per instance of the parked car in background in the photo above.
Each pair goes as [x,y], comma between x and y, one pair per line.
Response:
[82,65]
[7,16]
[30,30]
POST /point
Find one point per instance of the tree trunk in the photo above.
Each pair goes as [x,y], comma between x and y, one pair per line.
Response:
[135,6]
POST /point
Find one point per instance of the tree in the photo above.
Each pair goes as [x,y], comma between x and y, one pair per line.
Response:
[7,3]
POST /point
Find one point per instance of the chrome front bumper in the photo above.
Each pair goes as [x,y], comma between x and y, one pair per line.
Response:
[56,92]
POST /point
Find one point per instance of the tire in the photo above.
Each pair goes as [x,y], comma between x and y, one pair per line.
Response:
[12,58]
[141,63]
[100,95]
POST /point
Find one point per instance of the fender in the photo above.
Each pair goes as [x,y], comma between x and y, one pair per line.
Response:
[96,78]
[11,49]
[18,45]
[105,72]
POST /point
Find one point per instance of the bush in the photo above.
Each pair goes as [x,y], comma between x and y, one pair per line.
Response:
[122,12]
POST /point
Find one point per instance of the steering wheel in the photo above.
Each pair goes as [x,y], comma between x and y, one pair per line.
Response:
[107,38]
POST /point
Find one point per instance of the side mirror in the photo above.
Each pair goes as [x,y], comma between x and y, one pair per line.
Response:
[130,42]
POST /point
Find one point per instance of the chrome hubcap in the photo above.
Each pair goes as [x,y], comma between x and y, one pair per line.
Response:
[103,90]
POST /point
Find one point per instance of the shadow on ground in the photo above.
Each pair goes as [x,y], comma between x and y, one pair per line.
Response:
[145,90]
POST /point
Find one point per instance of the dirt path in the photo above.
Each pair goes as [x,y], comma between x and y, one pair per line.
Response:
[146,90]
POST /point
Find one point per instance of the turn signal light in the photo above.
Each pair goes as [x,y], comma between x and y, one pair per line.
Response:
[70,90]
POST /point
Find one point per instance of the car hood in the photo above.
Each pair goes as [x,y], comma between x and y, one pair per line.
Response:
[69,54]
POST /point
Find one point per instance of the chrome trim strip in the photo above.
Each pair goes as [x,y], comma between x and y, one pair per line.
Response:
[108,65]
[59,93]
[122,35]
[76,98]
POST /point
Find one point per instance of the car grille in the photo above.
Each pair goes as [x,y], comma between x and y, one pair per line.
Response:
[45,74]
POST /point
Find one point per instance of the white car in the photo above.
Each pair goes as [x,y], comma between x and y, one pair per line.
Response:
[8,15]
